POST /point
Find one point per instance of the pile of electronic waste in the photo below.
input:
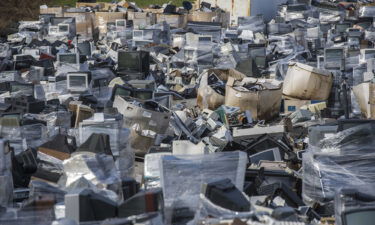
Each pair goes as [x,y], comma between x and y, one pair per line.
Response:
[113,114]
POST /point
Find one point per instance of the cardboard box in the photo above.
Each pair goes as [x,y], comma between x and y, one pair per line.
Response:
[263,103]
[365,94]
[84,23]
[177,21]
[58,11]
[306,83]
[219,17]
[207,97]
[102,18]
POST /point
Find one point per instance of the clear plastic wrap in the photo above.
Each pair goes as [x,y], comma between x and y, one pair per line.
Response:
[330,16]
[119,141]
[57,122]
[183,176]
[35,134]
[253,23]
[152,170]
[343,160]
[94,170]
[366,11]
[207,209]
[6,179]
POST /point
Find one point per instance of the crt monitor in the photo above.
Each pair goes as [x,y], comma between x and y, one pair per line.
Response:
[269,155]
[334,58]
[26,89]
[121,91]
[78,81]
[66,20]
[144,94]
[85,48]
[135,61]
[341,27]
[68,58]
[359,216]
[63,28]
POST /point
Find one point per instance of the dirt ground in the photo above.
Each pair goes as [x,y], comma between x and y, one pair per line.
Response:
[12,11]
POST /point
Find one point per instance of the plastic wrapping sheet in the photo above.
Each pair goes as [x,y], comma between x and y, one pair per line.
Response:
[57,122]
[356,110]
[6,179]
[343,160]
[356,198]
[370,35]
[358,74]
[50,163]
[330,16]
[152,170]
[253,23]
[366,11]
[183,176]
[27,217]
[35,134]
[119,141]
[97,169]
[55,89]
[207,209]
[285,44]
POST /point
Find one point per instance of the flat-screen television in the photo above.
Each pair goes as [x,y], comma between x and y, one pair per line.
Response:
[135,61]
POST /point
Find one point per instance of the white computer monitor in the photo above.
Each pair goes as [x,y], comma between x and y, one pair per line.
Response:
[334,58]
[77,82]
[121,24]
[64,28]
[367,53]
[138,34]
[68,59]
[53,30]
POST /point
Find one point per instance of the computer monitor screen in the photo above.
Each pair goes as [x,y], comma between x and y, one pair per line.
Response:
[84,48]
[334,58]
[129,61]
[260,61]
[205,39]
[363,217]
[63,28]
[68,58]
[27,89]
[121,23]
[138,34]
[269,155]
[143,94]
[122,91]
[368,53]
[77,80]
[341,27]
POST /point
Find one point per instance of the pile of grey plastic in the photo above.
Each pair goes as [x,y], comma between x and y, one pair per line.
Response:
[112,114]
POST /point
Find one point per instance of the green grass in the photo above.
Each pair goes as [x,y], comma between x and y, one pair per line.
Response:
[141,3]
